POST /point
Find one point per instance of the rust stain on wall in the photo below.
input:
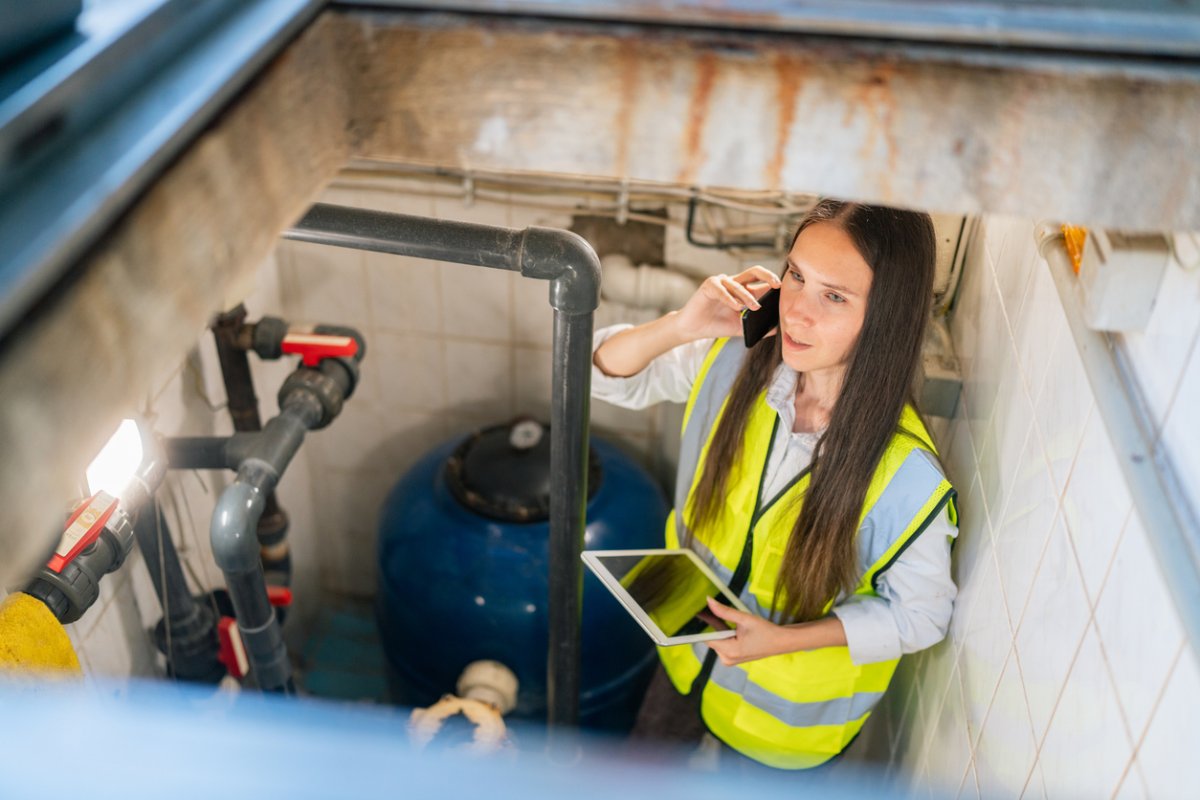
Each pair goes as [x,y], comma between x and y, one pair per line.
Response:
[706,70]
[627,68]
[876,98]
[788,76]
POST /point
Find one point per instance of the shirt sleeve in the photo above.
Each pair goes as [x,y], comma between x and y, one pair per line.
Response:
[669,377]
[915,599]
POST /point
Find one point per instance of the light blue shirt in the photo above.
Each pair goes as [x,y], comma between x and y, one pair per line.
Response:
[915,595]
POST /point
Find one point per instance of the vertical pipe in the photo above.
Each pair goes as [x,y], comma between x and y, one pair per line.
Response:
[569,413]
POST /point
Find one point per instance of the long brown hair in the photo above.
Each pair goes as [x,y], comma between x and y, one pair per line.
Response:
[821,559]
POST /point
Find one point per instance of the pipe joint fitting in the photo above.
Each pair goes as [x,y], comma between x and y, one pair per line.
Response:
[568,262]
[314,393]
[267,340]
[234,525]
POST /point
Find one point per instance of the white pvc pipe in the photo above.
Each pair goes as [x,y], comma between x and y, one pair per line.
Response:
[644,286]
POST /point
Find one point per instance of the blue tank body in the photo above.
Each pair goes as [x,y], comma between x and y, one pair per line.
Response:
[456,587]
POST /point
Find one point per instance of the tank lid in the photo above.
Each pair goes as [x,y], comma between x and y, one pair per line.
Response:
[503,472]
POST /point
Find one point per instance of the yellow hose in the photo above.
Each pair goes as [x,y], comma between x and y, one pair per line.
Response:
[33,641]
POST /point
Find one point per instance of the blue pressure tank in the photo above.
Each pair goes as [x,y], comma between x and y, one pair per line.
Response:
[463,571]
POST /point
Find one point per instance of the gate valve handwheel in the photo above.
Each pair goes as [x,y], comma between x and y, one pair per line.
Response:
[313,347]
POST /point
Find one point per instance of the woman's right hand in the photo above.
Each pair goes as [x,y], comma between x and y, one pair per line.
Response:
[715,310]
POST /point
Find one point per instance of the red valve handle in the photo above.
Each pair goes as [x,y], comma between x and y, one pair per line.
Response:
[312,347]
[82,529]
[232,651]
[279,596]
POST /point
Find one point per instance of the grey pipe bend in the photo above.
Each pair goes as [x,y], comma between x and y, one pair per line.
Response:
[568,262]
[234,529]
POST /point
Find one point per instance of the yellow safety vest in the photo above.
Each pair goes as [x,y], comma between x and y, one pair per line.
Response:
[795,710]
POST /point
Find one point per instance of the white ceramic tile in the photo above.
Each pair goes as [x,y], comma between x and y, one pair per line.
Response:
[1158,355]
[1138,625]
[949,743]
[1051,628]
[348,512]
[990,361]
[1181,435]
[999,462]
[614,419]
[404,293]
[409,437]
[1011,418]
[981,625]
[411,371]
[1005,752]
[534,368]
[1029,513]
[1167,755]
[1063,403]
[906,750]
[970,784]
[1041,325]
[476,302]
[356,440]
[973,546]
[1013,267]
[330,284]
[479,378]
[532,314]
[1086,748]
[1133,786]
[1095,504]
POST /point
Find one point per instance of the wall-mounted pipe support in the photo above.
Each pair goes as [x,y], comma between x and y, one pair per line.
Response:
[571,266]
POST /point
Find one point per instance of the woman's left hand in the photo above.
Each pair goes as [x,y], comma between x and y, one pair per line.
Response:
[756,637]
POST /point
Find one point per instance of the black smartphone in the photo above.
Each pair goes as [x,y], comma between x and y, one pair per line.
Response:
[758,323]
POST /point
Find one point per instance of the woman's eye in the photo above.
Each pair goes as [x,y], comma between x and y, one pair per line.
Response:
[836,298]
[797,276]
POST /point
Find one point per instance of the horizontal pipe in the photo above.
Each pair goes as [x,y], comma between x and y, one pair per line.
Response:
[403,235]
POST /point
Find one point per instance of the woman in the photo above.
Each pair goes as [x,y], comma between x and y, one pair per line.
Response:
[805,480]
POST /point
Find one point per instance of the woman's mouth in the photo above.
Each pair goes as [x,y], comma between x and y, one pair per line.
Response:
[794,344]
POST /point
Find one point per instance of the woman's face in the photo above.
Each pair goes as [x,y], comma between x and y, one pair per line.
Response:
[823,300]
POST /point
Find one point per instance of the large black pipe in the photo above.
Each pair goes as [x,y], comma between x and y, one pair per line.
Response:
[573,269]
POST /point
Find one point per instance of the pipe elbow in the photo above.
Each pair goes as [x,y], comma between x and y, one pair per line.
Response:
[234,525]
[568,262]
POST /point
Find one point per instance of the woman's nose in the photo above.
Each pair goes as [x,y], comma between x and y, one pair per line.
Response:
[800,310]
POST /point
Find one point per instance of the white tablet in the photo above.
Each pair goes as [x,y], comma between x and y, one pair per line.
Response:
[664,590]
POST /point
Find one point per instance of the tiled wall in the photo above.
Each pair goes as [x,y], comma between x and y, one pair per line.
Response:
[1066,672]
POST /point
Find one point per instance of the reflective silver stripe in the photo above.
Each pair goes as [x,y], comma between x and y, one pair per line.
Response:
[716,386]
[835,711]
[910,488]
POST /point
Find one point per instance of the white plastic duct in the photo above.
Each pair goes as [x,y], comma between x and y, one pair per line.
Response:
[644,286]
